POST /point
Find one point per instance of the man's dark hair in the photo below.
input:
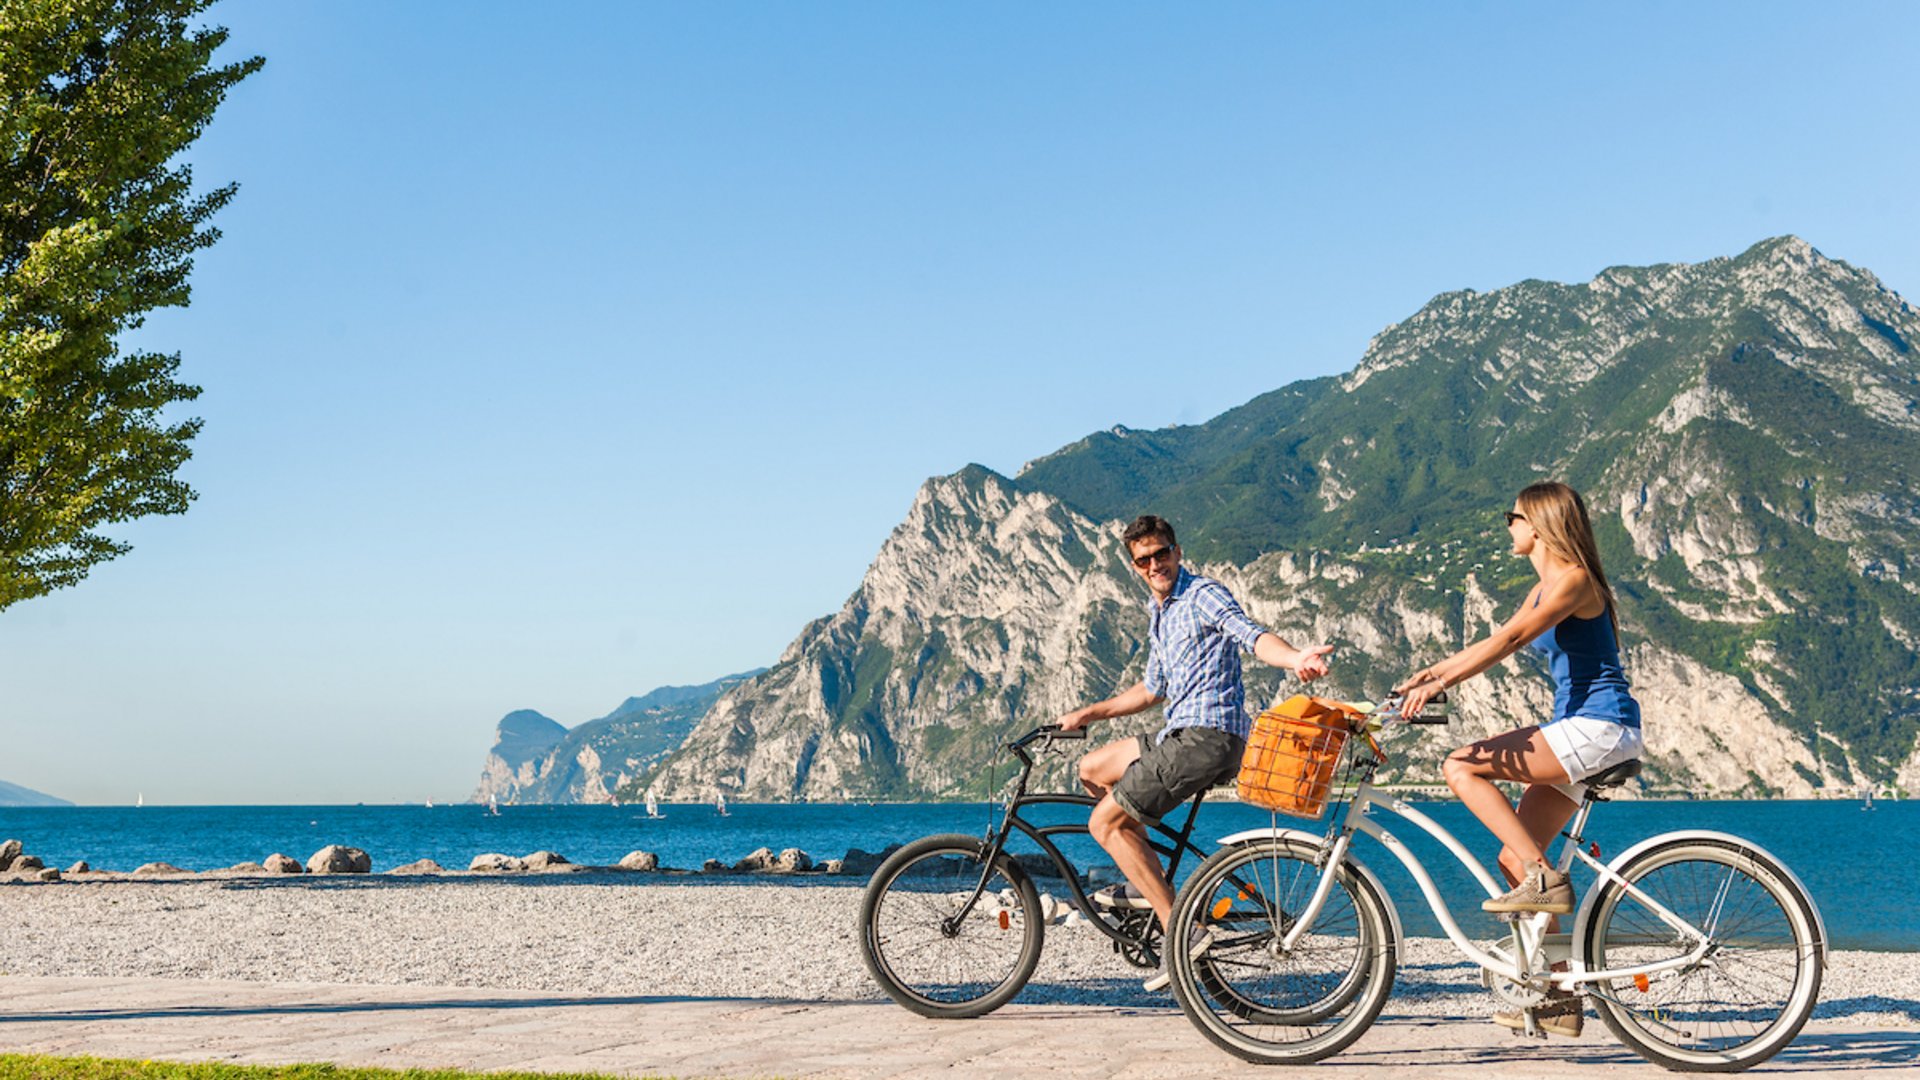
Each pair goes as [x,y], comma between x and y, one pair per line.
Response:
[1149,525]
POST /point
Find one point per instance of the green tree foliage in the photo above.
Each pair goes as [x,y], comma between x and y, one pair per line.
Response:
[97,228]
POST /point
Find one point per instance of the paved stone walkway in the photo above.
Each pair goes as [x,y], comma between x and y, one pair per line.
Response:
[403,1026]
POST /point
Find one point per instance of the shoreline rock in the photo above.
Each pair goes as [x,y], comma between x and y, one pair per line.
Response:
[339,859]
[419,866]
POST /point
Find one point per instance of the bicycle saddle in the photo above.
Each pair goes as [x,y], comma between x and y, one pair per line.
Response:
[1611,778]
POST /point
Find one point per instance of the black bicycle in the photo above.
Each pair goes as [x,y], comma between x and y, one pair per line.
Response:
[951,926]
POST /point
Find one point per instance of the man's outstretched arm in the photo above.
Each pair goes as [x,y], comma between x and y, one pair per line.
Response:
[1309,663]
[1136,698]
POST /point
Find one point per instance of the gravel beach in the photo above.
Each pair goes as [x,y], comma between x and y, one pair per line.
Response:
[695,936]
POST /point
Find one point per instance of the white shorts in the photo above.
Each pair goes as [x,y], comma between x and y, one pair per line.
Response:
[1586,745]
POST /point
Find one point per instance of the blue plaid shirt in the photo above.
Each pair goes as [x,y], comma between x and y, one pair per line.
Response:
[1197,635]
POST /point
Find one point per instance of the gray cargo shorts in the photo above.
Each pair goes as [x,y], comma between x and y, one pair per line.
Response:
[1169,772]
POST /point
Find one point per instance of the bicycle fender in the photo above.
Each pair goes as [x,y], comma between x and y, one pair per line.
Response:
[1314,839]
[1585,911]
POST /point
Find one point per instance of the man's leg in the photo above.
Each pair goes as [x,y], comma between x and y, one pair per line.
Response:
[1102,768]
[1126,840]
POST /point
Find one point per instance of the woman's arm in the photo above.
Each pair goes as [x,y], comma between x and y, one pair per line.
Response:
[1557,600]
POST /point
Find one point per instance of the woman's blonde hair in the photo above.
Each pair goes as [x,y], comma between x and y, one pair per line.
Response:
[1559,518]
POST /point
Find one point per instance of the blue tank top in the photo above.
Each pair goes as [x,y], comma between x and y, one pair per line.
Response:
[1587,677]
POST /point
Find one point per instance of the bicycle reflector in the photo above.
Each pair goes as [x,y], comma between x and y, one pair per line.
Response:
[1642,983]
[1224,905]
[1006,921]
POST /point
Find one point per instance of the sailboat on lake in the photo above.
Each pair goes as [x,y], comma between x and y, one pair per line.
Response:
[653,805]
[720,804]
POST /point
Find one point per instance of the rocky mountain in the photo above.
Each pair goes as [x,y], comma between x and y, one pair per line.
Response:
[538,760]
[15,795]
[1746,429]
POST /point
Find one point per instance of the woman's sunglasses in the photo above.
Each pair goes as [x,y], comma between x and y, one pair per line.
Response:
[1513,517]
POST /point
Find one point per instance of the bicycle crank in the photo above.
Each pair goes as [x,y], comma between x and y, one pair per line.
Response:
[1517,994]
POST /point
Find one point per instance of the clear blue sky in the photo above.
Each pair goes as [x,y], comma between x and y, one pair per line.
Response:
[553,354]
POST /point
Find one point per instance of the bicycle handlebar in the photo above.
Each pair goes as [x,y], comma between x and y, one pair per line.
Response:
[1046,731]
[1390,711]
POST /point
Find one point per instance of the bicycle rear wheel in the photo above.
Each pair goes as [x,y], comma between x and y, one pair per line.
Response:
[1257,1000]
[1752,991]
[929,957]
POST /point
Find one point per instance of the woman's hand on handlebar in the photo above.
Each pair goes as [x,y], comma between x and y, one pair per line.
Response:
[1417,691]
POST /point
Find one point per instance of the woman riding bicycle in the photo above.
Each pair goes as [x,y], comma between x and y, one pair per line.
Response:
[1568,616]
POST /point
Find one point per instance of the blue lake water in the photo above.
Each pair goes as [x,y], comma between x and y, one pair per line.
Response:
[1848,858]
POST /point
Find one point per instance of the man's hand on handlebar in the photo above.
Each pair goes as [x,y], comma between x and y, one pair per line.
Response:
[1077,719]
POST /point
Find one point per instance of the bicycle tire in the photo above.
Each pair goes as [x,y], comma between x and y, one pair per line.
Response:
[1268,1008]
[981,966]
[1754,991]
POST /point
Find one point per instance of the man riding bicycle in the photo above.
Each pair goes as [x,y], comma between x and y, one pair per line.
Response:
[1197,631]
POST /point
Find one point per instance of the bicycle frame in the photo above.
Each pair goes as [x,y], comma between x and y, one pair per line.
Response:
[1531,940]
[1176,843]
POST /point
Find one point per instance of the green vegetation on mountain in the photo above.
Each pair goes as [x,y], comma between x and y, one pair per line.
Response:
[1479,395]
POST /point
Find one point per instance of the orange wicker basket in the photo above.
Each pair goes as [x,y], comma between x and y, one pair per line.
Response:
[1291,755]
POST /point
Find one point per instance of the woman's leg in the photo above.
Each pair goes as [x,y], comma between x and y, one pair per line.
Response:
[1517,755]
[1543,812]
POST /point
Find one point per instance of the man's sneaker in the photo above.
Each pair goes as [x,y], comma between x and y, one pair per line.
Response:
[1198,942]
[1541,888]
[1123,895]
[1556,1016]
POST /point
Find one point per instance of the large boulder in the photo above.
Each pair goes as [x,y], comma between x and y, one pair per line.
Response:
[48,873]
[865,862]
[640,860]
[543,860]
[713,866]
[761,859]
[339,859]
[494,862]
[27,864]
[277,863]
[159,868]
[80,867]
[792,861]
[419,866]
[9,851]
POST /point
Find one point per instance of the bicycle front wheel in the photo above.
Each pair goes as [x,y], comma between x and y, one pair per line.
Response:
[1252,995]
[932,952]
[1751,990]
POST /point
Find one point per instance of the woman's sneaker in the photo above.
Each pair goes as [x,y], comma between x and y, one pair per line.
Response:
[1541,888]
[1555,1016]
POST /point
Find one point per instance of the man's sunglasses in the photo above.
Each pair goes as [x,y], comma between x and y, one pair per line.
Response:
[1513,517]
[1164,551]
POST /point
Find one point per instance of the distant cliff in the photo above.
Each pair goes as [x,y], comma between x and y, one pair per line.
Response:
[1747,431]
[15,795]
[538,760]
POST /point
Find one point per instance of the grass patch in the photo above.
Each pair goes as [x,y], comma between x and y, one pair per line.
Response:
[35,1067]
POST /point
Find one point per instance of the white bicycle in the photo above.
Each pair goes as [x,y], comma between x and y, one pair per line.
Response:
[1700,950]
